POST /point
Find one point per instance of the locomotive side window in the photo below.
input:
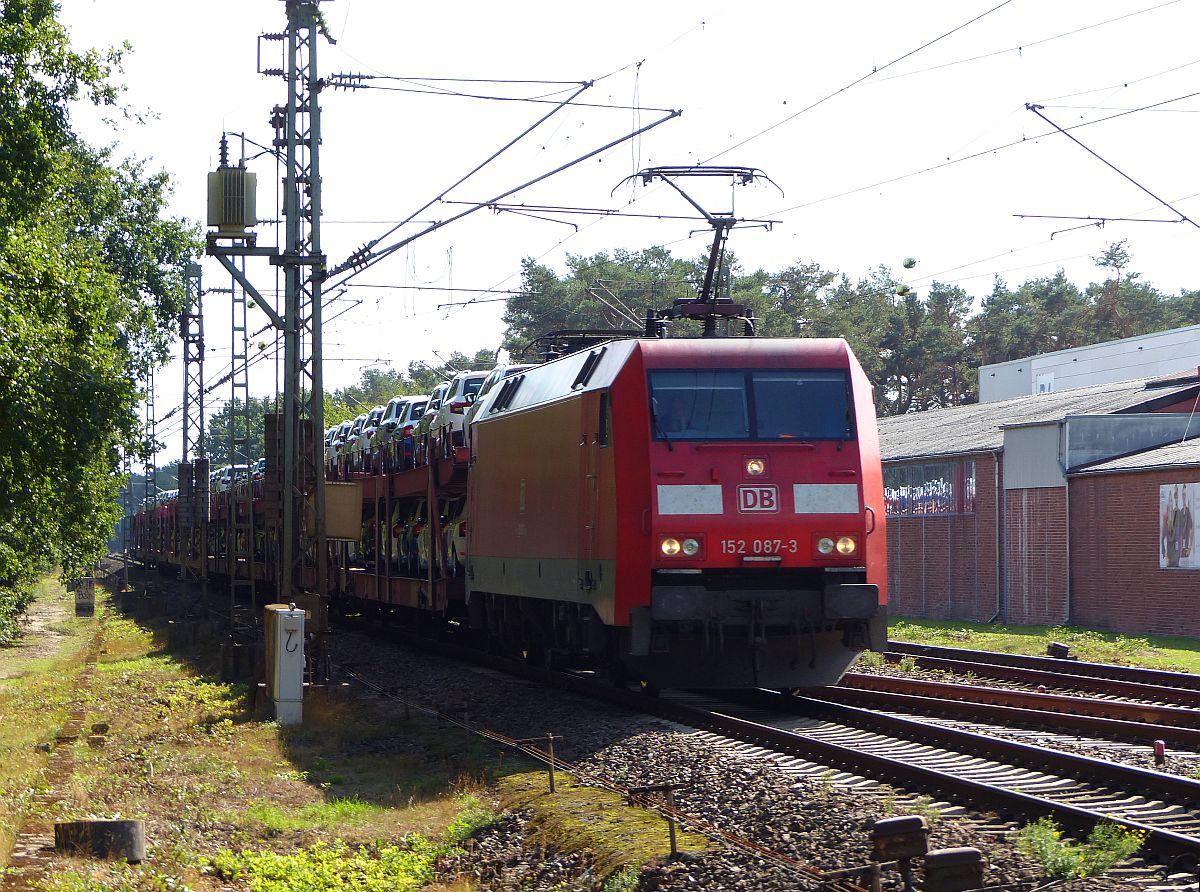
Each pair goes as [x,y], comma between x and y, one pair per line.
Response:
[759,404]
[602,435]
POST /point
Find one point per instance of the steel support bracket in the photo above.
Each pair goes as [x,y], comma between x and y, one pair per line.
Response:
[226,262]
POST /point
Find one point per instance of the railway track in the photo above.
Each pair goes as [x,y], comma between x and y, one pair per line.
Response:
[1015,779]
[1116,719]
[1123,682]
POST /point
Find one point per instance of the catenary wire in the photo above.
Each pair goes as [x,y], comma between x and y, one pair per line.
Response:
[854,83]
[989,151]
[1182,216]
[1032,43]
[791,117]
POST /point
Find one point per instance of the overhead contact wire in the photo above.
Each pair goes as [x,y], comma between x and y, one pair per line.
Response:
[854,83]
[1183,218]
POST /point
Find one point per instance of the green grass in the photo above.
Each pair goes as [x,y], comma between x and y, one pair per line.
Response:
[131,878]
[317,815]
[1152,651]
[387,796]
[332,867]
[33,708]
[409,864]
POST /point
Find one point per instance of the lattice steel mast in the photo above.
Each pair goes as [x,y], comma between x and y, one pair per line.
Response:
[192,516]
[297,125]
[303,534]
[150,481]
[239,530]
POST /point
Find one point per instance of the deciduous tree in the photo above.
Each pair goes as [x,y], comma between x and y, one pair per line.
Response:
[91,283]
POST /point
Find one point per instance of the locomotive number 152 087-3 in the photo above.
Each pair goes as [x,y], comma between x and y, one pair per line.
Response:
[759,546]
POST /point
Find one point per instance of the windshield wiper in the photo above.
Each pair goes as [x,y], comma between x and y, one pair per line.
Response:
[658,427]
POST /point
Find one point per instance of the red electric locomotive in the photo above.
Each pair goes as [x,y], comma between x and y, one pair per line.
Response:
[683,512]
[699,512]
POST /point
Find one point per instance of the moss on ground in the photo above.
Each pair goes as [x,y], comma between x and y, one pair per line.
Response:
[578,818]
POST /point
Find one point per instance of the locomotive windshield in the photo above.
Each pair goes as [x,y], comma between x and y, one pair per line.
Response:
[756,404]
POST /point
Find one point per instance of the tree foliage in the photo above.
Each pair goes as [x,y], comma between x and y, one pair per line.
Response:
[230,420]
[91,285]
[921,350]
[374,388]
[598,292]
[377,386]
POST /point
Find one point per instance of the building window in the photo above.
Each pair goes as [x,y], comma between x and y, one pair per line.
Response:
[935,488]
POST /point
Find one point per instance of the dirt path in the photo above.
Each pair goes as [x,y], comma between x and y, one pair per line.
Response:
[43,634]
[48,626]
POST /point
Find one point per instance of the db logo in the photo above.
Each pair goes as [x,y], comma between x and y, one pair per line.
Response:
[758,498]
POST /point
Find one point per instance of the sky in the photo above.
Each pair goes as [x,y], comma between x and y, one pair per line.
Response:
[890,130]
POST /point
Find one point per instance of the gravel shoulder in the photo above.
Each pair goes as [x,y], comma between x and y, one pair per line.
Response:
[816,822]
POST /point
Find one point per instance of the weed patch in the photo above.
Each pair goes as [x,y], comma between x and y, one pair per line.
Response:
[870,659]
[332,867]
[315,816]
[1060,858]
[623,880]
[577,818]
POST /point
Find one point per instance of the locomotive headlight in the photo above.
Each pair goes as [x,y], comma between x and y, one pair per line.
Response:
[690,547]
[846,545]
[825,545]
[756,467]
[671,547]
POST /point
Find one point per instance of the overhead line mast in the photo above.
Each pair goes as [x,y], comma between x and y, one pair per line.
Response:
[301,539]
[192,517]
[303,535]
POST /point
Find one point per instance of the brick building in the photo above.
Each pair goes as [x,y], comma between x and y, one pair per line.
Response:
[997,511]
[1121,573]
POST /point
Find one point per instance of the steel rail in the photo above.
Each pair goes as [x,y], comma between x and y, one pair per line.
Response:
[1115,718]
[1135,674]
[1163,842]
[1088,768]
[1180,696]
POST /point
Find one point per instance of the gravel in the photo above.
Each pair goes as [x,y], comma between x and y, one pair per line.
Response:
[818,823]
[1180,760]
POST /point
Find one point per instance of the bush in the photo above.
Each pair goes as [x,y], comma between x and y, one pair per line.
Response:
[474,817]
[13,602]
[1106,845]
